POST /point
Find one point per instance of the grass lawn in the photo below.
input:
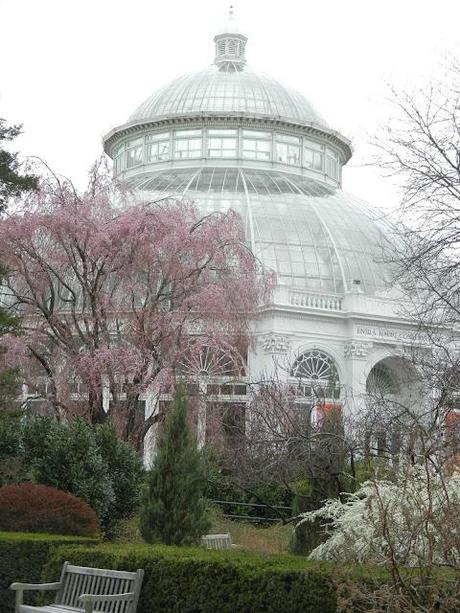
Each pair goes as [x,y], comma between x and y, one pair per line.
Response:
[272,539]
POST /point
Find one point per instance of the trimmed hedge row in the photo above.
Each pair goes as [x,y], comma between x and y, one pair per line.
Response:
[23,557]
[192,580]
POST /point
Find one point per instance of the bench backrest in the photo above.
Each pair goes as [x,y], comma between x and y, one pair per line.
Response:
[78,580]
[217,541]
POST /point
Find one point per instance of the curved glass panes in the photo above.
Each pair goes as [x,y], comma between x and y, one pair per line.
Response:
[215,90]
[312,235]
[318,374]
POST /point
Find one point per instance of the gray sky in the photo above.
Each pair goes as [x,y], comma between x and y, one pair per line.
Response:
[73,69]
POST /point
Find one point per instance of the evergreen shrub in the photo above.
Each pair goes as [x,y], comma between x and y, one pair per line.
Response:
[194,580]
[28,507]
[174,509]
[23,558]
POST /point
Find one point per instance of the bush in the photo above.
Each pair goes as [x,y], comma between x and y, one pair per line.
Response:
[174,508]
[37,508]
[23,557]
[12,469]
[195,580]
[126,473]
[66,457]
[87,461]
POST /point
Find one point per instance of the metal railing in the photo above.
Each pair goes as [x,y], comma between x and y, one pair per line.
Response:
[260,519]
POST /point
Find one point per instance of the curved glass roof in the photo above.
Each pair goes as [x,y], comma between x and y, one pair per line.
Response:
[221,89]
[314,236]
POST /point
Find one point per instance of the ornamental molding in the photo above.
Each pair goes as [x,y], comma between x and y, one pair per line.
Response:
[275,343]
[357,349]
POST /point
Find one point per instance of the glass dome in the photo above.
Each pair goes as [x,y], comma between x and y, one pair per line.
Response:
[221,89]
[313,236]
[231,138]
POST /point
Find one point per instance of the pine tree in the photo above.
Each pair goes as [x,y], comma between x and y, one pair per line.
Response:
[12,182]
[9,380]
[174,508]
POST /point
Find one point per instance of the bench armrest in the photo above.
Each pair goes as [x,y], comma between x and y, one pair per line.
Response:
[89,600]
[20,588]
[35,586]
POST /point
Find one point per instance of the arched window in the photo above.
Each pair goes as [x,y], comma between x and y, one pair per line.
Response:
[381,381]
[318,374]
[211,362]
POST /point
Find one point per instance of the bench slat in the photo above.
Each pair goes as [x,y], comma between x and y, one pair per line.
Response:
[83,570]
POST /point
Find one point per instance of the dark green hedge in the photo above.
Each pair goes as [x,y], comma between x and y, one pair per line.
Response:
[23,558]
[199,581]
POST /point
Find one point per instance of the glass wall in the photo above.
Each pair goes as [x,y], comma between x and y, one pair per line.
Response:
[231,143]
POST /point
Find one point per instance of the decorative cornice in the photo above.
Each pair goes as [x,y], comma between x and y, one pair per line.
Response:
[230,119]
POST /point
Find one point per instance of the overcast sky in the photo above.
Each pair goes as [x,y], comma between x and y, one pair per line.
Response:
[73,69]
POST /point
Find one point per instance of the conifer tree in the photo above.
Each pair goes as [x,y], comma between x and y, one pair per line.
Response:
[174,508]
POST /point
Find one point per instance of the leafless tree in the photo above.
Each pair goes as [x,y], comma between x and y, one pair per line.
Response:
[421,147]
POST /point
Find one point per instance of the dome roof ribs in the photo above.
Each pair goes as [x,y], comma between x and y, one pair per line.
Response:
[328,232]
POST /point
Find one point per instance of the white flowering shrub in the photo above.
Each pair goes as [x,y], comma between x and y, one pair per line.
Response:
[412,520]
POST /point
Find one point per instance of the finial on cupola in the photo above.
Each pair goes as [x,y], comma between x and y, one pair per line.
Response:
[230,44]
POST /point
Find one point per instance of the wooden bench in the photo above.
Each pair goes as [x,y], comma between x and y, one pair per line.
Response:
[86,589]
[217,541]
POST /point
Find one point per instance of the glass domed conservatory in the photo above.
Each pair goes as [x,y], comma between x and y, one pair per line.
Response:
[231,137]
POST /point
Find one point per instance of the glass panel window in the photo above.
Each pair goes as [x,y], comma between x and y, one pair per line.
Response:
[134,152]
[118,164]
[312,159]
[256,149]
[117,150]
[221,147]
[187,133]
[118,158]
[286,138]
[158,147]
[311,144]
[332,154]
[287,153]
[332,167]
[221,132]
[256,134]
[158,136]
[188,148]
